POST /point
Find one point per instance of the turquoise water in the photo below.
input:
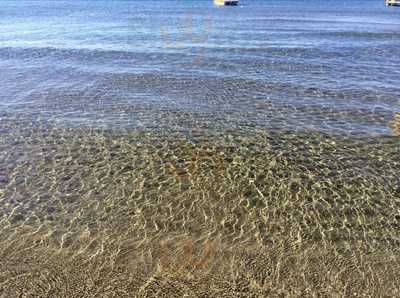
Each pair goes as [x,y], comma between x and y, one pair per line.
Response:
[329,66]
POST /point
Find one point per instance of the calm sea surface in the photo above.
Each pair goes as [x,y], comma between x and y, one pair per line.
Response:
[330,66]
[143,140]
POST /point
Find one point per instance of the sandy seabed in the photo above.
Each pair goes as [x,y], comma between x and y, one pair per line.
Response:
[95,213]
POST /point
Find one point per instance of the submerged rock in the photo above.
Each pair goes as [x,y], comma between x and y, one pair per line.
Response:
[3,179]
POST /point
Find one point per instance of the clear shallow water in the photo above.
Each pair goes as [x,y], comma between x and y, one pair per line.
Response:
[328,66]
[148,146]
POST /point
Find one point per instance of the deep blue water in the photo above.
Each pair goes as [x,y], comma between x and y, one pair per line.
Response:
[321,65]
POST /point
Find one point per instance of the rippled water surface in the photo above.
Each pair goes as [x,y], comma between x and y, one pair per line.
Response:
[330,66]
[176,146]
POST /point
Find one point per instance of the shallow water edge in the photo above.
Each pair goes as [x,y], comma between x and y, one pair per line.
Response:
[151,210]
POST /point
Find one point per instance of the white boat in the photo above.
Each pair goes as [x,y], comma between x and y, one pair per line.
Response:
[392,2]
[226,2]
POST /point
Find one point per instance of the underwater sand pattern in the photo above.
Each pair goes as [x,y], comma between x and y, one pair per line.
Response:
[176,149]
[94,213]
[396,125]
